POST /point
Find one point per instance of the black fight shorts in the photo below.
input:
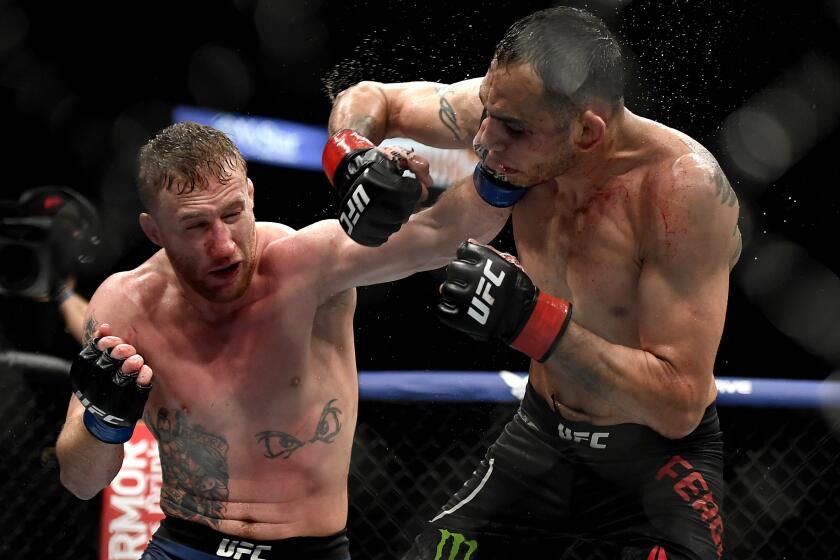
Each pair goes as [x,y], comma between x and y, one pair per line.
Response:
[177,539]
[548,484]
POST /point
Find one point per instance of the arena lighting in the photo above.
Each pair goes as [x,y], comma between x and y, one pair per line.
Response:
[262,139]
[799,295]
[289,144]
[781,123]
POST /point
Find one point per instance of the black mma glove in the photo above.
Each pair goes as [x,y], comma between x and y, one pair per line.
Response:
[488,295]
[112,399]
[375,198]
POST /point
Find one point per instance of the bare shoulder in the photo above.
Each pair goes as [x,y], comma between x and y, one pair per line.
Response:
[303,247]
[309,257]
[139,286]
[698,167]
[693,204]
[124,297]
[274,230]
[685,169]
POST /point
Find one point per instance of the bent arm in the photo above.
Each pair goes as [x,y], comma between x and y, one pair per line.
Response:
[443,116]
[682,294]
[87,465]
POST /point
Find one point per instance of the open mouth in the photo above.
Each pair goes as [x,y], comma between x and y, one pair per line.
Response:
[227,272]
[505,170]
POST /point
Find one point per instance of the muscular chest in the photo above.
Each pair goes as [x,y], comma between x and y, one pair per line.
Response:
[586,250]
[242,363]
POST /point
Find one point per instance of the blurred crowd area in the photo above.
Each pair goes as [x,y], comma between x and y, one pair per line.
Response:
[82,86]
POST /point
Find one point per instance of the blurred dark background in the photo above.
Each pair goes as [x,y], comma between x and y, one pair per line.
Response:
[83,85]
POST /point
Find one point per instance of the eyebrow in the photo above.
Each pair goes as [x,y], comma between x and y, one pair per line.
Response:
[504,118]
[195,214]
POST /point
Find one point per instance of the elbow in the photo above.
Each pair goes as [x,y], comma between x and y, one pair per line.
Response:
[363,108]
[364,88]
[78,476]
[680,423]
[684,415]
[77,487]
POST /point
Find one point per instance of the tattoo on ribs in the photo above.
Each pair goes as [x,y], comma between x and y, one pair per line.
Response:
[279,444]
[194,464]
[447,114]
[282,444]
[329,425]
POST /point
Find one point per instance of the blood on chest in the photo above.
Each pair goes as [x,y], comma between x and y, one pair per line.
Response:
[587,252]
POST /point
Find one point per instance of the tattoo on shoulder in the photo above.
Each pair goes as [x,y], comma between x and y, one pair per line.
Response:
[282,444]
[194,464]
[90,327]
[724,190]
[446,113]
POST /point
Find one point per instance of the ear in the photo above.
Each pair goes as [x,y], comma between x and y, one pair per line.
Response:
[250,189]
[589,130]
[149,227]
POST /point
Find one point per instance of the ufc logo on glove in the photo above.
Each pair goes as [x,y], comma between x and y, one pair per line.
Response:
[356,204]
[480,308]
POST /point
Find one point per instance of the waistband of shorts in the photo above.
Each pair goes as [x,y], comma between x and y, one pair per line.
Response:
[637,438]
[204,539]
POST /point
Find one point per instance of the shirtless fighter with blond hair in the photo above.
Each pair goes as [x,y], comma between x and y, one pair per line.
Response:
[234,342]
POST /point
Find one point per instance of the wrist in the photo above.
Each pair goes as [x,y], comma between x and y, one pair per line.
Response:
[337,149]
[541,332]
[105,432]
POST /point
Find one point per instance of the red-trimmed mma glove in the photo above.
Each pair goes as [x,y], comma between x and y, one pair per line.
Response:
[112,399]
[376,200]
[488,295]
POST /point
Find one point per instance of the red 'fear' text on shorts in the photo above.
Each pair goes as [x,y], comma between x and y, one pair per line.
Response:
[693,489]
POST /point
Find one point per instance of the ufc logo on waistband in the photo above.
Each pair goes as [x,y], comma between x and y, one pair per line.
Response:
[480,308]
[593,438]
[356,204]
[238,549]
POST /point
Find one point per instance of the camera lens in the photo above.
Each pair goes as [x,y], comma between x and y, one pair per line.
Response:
[24,268]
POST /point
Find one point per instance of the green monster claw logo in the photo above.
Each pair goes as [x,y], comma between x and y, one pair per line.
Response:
[457,540]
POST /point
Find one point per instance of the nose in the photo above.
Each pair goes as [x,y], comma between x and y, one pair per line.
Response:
[490,135]
[219,243]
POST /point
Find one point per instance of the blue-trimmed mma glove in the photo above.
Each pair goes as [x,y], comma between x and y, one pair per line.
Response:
[376,200]
[495,191]
[112,399]
[488,295]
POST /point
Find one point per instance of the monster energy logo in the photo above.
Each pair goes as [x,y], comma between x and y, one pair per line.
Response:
[457,540]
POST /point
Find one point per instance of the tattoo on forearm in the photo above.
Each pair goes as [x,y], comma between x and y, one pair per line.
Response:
[194,464]
[90,327]
[283,445]
[724,190]
[447,114]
